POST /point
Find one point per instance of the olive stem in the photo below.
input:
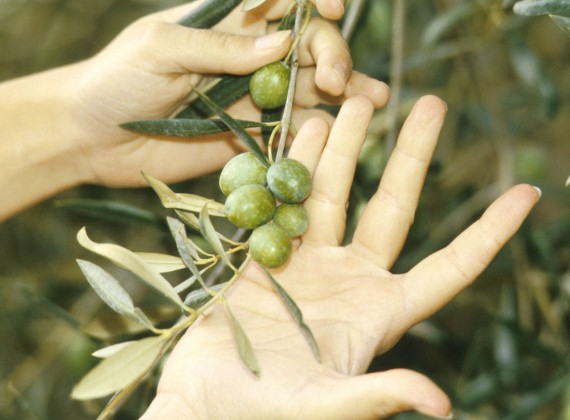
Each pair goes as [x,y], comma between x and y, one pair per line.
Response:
[286,120]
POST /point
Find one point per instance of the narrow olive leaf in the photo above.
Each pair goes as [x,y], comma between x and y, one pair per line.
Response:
[108,351]
[238,131]
[130,261]
[120,369]
[296,314]
[208,13]
[196,202]
[186,248]
[563,23]
[112,211]
[244,346]
[110,325]
[183,127]
[251,4]
[140,317]
[542,7]
[189,219]
[163,263]
[181,287]
[229,89]
[108,288]
[447,21]
[186,202]
[199,297]
[210,234]
[568,181]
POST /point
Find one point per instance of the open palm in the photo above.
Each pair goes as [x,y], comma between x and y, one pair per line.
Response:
[354,306]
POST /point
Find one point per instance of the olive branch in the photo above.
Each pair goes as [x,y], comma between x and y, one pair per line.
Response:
[126,364]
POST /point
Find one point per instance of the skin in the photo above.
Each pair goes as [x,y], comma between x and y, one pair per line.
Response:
[355,306]
[147,72]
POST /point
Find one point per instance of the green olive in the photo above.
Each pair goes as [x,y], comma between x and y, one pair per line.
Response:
[268,85]
[243,169]
[270,245]
[289,180]
[250,206]
[293,218]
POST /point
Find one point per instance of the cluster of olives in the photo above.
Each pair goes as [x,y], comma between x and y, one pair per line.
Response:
[252,191]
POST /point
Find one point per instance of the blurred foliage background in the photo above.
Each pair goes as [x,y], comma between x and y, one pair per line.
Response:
[500,349]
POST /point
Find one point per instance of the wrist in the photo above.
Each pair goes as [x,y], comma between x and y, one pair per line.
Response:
[39,151]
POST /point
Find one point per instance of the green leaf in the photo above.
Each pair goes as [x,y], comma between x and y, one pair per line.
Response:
[208,13]
[445,22]
[186,249]
[211,235]
[113,211]
[533,73]
[189,219]
[196,298]
[140,317]
[182,201]
[162,263]
[251,4]
[107,287]
[183,127]
[229,89]
[542,7]
[121,369]
[563,22]
[296,314]
[238,131]
[244,346]
[105,352]
[130,261]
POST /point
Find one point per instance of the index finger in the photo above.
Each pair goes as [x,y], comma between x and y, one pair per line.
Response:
[438,278]
[329,9]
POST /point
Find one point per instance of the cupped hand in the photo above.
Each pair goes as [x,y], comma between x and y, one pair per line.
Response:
[149,70]
[354,306]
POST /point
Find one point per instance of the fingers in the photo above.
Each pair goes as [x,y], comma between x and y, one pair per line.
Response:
[379,395]
[329,9]
[322,46]
[334,173]
[385,223]
[309,143]
[438,278]
[169,48]
[307,93]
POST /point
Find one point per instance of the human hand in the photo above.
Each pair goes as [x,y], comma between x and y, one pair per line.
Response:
[149,70]
[354,306]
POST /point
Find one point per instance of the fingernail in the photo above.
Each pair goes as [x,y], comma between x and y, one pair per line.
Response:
[538,190]
[341,73]
[340,6]
[273,40]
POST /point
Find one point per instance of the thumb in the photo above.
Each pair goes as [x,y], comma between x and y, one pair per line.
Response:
[208,51]
[378,395]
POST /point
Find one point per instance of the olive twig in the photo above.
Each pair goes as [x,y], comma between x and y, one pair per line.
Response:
[286,120]
[270,143]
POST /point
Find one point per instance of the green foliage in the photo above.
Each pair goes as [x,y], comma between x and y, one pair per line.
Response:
[558,10]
